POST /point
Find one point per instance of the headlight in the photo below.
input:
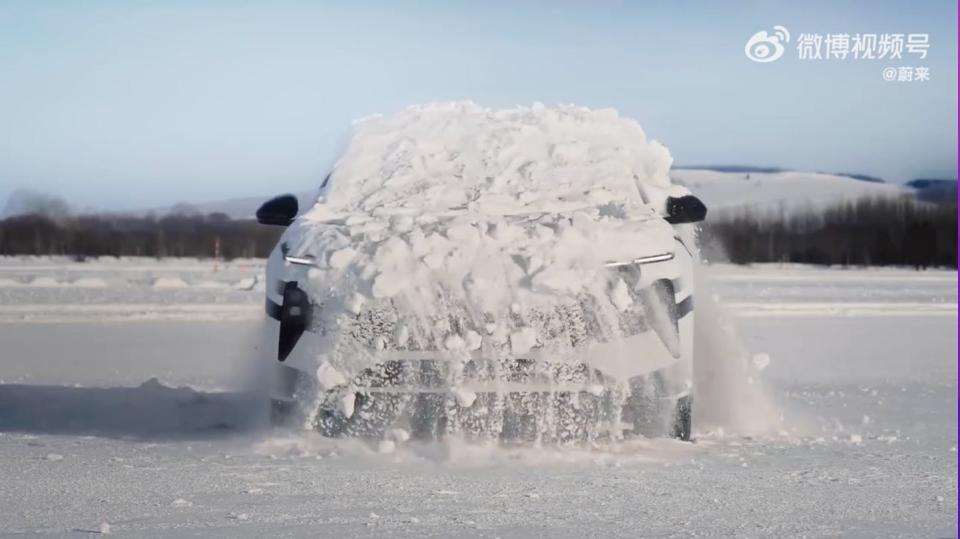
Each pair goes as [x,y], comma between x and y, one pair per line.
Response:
[662,257]
[300,260]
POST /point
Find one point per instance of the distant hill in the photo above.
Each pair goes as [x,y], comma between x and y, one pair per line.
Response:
[731,168]
[772,170]
[720,187]
[861,177]
[767,188]
[780,191]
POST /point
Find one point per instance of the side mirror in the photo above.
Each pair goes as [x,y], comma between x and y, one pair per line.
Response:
[685,209]
[278,211]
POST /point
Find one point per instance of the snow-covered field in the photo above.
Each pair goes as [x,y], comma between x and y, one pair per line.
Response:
[129,405]
[781,192]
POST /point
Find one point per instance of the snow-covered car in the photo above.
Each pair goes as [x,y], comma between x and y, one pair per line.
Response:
[522,273]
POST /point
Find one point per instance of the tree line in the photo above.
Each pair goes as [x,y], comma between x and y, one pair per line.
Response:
[200,236]
[866,232]
[869,232]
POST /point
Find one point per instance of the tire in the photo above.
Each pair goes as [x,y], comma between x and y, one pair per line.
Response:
[654,414]
[373,415]
[683,419]
[285,413]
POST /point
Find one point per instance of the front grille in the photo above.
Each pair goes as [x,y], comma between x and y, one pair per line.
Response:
[568,325]
[482,375]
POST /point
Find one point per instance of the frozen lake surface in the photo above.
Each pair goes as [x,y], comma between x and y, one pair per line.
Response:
[127,406]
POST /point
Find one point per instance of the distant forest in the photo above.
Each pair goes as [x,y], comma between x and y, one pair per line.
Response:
[870,232]
[173,235]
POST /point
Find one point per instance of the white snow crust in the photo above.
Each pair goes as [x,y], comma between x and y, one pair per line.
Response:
[519,160]
[454,205]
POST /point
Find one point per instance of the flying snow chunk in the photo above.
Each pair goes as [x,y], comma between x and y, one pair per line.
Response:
[328,377]
[347,404]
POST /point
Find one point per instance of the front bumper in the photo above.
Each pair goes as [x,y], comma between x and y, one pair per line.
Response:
[487,369]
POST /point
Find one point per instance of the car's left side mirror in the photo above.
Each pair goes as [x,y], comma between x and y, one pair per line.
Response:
[279,211]
[685,209]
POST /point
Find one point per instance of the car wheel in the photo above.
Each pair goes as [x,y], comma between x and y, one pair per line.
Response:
[655,413]
[683,419]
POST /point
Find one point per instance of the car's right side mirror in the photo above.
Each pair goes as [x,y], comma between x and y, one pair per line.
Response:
[279,211]
[685,209]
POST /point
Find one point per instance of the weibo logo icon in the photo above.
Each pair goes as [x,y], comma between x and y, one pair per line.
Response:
[763,47]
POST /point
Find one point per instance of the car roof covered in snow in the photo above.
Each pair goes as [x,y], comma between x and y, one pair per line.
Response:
[516,160]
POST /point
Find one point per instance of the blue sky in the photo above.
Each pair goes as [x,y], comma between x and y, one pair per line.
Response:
[120,105]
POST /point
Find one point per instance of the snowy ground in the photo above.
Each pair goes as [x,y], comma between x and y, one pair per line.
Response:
[95,436]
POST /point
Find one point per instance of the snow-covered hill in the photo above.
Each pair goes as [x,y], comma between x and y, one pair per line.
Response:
[780,191]
[773,191]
